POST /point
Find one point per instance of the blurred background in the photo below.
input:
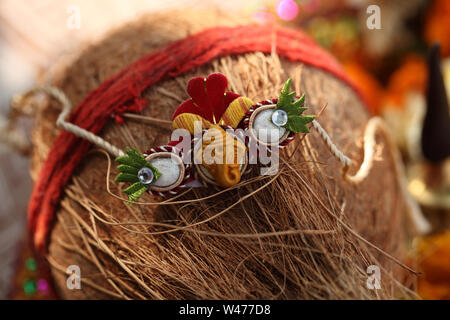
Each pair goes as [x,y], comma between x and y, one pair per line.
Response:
[387,46]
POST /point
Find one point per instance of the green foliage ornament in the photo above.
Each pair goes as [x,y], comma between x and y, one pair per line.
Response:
[136,170]
[296,122]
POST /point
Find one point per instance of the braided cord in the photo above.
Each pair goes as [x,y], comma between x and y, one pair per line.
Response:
[369,150]
[61,122]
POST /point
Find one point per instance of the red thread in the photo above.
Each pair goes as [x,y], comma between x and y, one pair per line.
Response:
[122,92]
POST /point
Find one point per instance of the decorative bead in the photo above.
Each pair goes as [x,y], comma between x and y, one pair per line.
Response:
[30,264]
[287,9]
[42,286]
[29,287]
[266,131]
[171,170]
[145,176]
[279,117]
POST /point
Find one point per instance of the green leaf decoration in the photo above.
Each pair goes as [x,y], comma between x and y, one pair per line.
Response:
[127,169]
[155,171]
[129,166]
[135,196]
[136,156]
[133,188]
[126,160]
[298,123]
[294,108]
[126,177]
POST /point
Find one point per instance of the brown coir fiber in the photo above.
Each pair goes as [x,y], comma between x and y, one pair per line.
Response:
[304,233]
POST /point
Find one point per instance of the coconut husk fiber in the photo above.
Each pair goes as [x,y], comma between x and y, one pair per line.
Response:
[304,233]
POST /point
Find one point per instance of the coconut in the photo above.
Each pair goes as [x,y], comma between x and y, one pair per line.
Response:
[303,233]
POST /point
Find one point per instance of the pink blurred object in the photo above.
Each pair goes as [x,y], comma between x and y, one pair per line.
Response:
[287,9]
[42,286]
[264,16]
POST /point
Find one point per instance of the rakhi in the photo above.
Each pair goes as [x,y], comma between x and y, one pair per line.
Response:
[227,122]
[169,168]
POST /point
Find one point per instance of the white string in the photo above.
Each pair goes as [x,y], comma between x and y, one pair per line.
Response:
[420,223]
[345,161]
[369,149]
[63,124]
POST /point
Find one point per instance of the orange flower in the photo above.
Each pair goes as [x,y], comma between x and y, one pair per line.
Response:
[368,85]
[410,76]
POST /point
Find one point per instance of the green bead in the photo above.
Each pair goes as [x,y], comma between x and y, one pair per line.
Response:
[30,264]
[29,287]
